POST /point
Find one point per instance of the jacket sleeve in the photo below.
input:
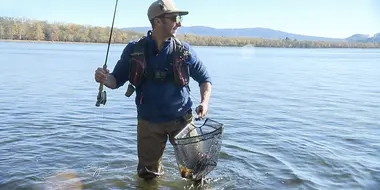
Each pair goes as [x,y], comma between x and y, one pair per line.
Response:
[198,70]
[121,70]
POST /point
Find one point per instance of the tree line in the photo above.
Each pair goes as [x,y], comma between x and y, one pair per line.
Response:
[35,30]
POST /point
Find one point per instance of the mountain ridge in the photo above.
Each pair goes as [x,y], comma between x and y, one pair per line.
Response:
[259,32]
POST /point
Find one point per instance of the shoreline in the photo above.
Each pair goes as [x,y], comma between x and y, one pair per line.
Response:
[113,43]
[52,42]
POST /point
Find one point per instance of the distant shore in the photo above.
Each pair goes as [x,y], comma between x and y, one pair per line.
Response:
[193,44]
[45,41]
[24,30]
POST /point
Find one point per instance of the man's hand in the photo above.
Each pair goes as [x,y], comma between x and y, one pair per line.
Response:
[201,110]
[101,75]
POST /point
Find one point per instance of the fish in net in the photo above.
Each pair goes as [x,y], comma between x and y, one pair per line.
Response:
[197,148]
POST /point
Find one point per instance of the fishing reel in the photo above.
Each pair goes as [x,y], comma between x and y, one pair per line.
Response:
[101,98]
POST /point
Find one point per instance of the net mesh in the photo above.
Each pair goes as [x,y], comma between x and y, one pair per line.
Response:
[197,149]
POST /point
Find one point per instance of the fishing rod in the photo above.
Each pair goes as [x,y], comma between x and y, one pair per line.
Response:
[102,95]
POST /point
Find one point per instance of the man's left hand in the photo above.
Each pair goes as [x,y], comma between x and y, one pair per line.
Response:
[201,110]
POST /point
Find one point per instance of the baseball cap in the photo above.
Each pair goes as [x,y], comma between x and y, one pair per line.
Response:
[161,7]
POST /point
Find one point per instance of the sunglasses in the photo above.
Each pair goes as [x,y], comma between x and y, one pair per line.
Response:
[175,18]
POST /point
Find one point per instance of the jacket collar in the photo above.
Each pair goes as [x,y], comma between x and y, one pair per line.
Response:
[152,43]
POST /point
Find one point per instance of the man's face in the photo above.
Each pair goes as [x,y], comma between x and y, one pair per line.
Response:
[169,24]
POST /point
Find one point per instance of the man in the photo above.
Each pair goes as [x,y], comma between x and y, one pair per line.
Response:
[158,67]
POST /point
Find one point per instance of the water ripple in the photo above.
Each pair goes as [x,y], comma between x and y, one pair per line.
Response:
[294,119]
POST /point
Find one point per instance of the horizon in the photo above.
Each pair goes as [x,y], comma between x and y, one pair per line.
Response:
[337,19]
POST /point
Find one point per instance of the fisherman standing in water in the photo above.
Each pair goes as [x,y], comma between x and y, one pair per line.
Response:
[159,67]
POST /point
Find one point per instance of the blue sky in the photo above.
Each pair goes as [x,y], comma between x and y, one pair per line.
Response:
[327,18]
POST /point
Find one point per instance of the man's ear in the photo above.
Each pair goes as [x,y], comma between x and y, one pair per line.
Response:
[157,21]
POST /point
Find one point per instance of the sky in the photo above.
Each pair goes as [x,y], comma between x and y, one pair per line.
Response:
[325,18]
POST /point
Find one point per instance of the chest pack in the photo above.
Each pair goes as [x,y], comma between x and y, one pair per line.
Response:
[140,71]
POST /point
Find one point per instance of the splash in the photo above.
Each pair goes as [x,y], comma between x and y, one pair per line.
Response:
[247,51]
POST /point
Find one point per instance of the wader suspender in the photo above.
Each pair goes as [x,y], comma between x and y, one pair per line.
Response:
[139,71]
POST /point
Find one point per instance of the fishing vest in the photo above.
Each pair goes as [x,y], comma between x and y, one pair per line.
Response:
[178,59]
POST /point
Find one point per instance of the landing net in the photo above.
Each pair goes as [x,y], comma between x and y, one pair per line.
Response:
[197,149]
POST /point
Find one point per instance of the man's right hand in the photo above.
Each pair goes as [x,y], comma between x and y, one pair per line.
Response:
[101,75]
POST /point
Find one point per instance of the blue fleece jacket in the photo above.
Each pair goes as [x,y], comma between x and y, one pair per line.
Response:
[160,101]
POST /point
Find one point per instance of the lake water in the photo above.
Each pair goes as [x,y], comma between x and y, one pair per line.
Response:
[294,119]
